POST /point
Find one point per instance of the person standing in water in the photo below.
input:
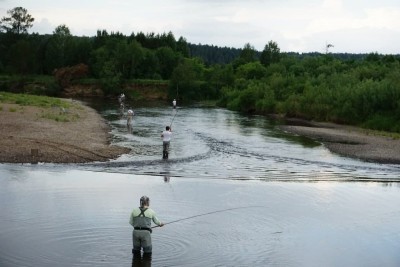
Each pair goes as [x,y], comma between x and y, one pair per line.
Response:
[121,98]
[121,108]
[141,219]
[166,137]
[174,103]
[130,117]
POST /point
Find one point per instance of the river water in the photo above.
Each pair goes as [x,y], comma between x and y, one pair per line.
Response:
[235,191]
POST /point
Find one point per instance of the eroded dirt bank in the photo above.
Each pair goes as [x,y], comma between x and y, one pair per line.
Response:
[33,134]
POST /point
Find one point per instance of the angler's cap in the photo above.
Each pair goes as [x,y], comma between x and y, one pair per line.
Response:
[144,201]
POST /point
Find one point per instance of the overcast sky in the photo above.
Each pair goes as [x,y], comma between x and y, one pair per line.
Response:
[353,26]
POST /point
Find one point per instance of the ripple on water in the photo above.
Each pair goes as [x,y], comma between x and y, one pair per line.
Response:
[213,151]
[172,244]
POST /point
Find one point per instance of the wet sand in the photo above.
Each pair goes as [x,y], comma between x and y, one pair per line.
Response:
[349,141]
[27,136]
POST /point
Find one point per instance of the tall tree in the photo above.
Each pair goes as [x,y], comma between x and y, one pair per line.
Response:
[22,57]
[248,53]
[168,60]
[186,77]
[270,54]
[182,47]
[56,55]
[18,21]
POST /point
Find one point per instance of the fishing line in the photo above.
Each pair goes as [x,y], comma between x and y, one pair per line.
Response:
[203,214]
[173,118]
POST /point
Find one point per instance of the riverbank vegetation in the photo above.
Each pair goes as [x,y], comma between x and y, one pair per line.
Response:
[355,89]
[50,108]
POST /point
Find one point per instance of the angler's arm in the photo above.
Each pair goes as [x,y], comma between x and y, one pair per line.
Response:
[157,221]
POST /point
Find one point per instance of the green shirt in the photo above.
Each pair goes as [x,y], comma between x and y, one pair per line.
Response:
[143,221]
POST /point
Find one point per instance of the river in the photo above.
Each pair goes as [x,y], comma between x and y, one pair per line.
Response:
[236,190]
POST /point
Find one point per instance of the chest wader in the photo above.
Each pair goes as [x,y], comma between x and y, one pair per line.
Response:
[143,239]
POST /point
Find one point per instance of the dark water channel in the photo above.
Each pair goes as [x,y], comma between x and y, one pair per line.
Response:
[282,200]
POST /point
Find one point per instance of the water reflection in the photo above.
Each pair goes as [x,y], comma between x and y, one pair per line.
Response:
[167,178]
[130,128]
[141,260]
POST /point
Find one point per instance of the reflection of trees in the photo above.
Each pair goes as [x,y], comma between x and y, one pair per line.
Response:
[390,184]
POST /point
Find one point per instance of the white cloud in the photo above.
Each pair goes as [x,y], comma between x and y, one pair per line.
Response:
[383,18]
[333,5]
[43,26]
[300,26]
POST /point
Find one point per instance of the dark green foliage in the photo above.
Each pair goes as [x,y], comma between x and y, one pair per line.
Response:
[248,53]
[253,70]
[167,60]
[39,85]
[270,54]
[248,96]
[214,54]
[186,81]
[383,123]
[364,92]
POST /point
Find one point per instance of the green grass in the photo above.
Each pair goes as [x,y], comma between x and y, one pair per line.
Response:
[393,135]
[32,100]
[52,107]
[59,117]
[28,78]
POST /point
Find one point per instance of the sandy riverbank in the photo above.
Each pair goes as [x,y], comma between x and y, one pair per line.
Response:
[27,136]
[351,141]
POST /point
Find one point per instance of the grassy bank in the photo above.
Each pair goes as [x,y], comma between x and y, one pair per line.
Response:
[50,108]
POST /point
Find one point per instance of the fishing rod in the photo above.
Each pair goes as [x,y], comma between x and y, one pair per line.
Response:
[203,214]
[177,93]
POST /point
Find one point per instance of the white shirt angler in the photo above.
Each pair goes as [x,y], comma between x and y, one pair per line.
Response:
[166,136]
[174,103]
[130,116]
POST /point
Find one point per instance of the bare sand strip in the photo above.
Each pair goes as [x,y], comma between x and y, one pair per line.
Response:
[351,141]
[27,135]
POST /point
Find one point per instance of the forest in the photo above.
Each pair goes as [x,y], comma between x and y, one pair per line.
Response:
[357,89]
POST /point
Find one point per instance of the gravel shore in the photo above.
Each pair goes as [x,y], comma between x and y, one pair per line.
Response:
[350,141]
[31,134]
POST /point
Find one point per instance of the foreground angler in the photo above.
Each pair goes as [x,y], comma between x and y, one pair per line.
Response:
[140,219]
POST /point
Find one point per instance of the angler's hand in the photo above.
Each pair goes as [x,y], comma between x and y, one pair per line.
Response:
[161,225]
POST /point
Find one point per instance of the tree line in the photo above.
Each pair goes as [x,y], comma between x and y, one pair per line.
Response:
[360,89]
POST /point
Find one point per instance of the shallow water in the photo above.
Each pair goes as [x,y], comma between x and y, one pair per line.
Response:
[268,199]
